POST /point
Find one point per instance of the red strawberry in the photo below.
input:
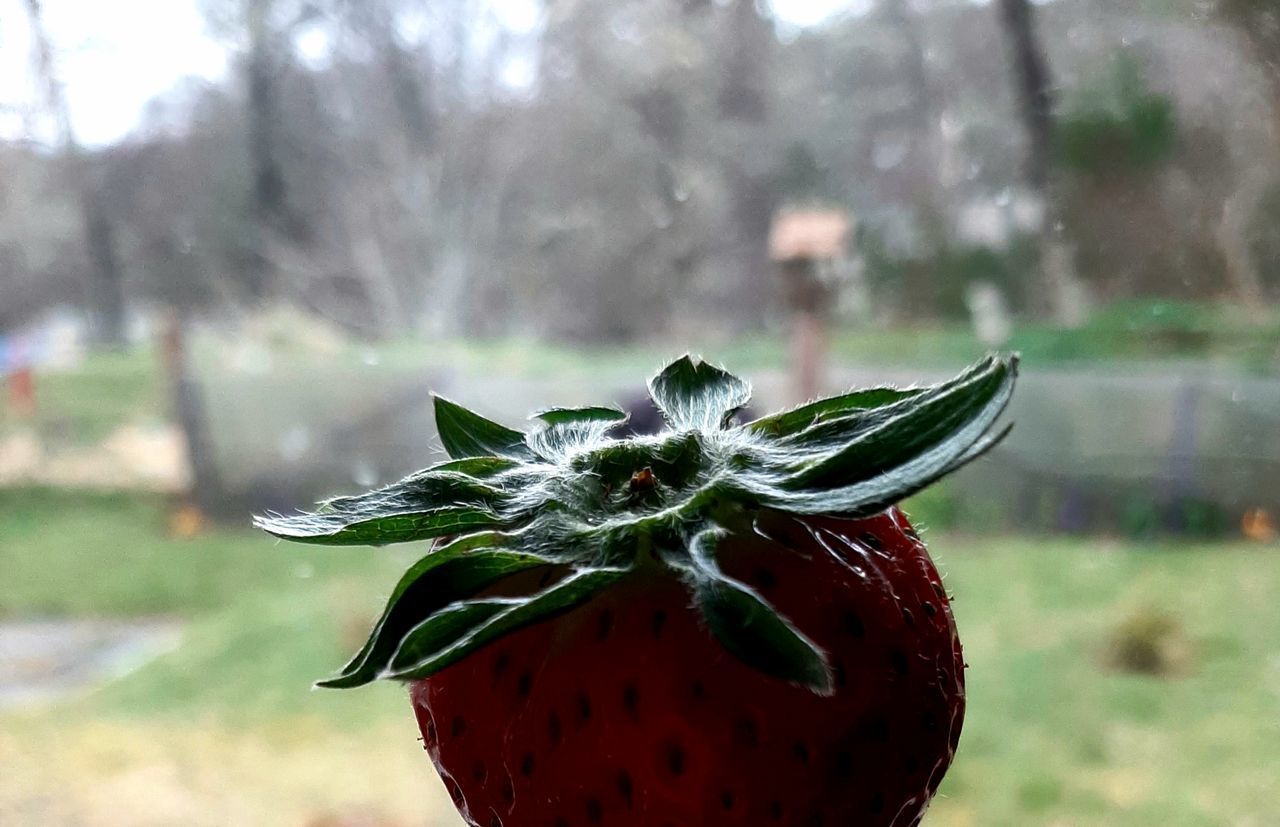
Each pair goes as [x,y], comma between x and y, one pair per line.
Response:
[718,625]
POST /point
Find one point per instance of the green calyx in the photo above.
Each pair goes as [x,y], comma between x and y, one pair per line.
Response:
[583,510]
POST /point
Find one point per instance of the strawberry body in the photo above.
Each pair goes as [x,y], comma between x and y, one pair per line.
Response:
[627,711]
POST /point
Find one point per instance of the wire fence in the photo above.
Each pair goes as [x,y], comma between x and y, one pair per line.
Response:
[1134,450]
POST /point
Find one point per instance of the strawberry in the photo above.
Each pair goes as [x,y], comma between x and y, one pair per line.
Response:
[720,624]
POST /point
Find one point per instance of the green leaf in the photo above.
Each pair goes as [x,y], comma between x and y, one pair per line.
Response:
[753,631]
[449,574]
[841,430]
[574,416]
[430,503]
[416,658]
[918,424]
[975,451]
[566,430]
[434,488]
[874,493]
[479,467]
[379,530]
[695,395]
[798,419]
[749,628]
[466,433]
[442,630]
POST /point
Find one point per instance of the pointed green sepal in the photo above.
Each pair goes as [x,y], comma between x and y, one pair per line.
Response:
[438,487]
[594,415]
[466,433]
[456,572]
[798,419]
[696,395]
[940,415]
[748,627]
[441,500]
[418,656]
[478,467]
[380,530]
[568,430]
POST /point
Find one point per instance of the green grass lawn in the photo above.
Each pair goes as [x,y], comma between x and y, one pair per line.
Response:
[83,404]
[1145,331]
[67,553]
[225,729]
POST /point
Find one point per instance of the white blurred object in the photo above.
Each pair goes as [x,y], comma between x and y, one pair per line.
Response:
[295,443]
[1071,296]
[65,336]
[989,313]
[996,221]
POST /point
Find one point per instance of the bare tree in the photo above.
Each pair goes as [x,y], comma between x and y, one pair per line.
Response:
[263,65]
[611,170]
[922,118]
[747,50]
[105,288]
[1062,294]
[1258,22]
[1033,86]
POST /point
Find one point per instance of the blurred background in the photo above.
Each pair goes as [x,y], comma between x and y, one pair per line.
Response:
[242,240]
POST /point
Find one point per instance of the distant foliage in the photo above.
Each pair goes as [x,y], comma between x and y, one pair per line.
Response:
[1118,127]
[936,285]
[1265,233]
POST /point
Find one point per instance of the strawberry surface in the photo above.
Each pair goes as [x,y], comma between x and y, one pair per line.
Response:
[627,711]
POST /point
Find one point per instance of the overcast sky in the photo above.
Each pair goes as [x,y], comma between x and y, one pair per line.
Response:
[113,57]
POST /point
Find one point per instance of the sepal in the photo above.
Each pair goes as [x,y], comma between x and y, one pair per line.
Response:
[747,626]
[378,529]
[565,431]
[418,656]
[445,577]
[466,433]
[795,420]
[696,395]
[954,412]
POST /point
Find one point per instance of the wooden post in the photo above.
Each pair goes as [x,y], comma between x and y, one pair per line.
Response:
[189,410]
[801,242]
[807,299]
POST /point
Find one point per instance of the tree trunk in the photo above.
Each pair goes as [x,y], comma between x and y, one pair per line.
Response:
[1257,22]
[1063,295]
[268,177]
[105,288]
[1233,241]
[1033,87]
[743,101]
[412,95]
[810,302]
[923,118]
[1262,39]
[189,410]
[744,92]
